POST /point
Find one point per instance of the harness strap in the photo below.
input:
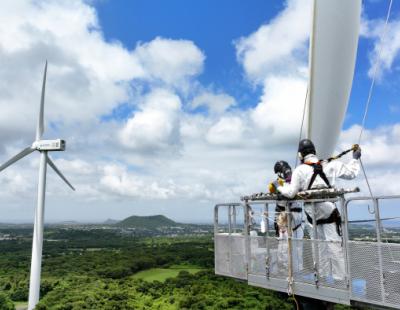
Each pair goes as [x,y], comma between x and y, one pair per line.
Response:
[318,171]
[333,218]
[280,209]
[297,227]
[277,228]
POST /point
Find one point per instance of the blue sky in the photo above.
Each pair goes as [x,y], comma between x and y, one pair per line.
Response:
[172,106]
[215,25]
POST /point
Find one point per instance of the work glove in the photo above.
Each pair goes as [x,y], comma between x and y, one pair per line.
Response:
[272,187]
[357,153]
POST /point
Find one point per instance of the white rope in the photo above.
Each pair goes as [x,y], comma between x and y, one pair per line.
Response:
[378,60]
[375,72]
[371,90]
[302,124]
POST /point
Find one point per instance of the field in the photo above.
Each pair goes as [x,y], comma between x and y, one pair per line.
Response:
[161,274]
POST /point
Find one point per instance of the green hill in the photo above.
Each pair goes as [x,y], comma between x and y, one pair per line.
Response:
[148,222]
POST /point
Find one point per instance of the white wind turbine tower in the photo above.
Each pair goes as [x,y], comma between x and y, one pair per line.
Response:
[43,146]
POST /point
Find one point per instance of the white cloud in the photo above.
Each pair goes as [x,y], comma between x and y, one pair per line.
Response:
[278,114]
[156,126]
[277,46]
[216,103]
[227,131]
[380,146]
[172,61]
[162,151]
[386,44]
[87,76]
[119,181]
[380,149]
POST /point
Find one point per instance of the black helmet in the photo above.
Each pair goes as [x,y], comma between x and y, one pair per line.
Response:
[280,166]
[306,147]
[283,169]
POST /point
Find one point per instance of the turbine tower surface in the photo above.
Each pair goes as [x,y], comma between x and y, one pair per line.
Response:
[43,146]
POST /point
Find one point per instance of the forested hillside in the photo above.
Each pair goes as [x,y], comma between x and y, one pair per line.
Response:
[97,269]
[148,222]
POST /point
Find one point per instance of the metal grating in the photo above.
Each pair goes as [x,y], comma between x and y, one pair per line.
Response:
[258,254]
[222,262]
[230,255]
[238,256]
[368,283]
[371,273]
[391,272]
[304,272]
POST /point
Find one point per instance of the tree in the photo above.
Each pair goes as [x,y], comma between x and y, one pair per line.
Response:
[6,303]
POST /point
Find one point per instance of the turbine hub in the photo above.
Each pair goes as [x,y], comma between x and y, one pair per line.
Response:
[49,145]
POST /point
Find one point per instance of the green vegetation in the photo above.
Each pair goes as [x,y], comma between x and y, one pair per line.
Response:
[162,274]
[5,302]
[93,268]
[148,222]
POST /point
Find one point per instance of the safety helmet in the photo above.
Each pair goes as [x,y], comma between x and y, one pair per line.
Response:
[306,147]
[283,169]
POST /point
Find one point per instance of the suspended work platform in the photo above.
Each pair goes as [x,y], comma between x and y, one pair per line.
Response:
[368,250]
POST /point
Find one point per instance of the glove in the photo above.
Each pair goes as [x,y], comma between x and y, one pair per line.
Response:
[357,153]
[274,185]
[272,188]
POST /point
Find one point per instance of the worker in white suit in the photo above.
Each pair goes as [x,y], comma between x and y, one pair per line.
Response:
[284,173]
[312,174]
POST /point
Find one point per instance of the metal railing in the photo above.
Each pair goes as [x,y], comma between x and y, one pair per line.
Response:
[366,264]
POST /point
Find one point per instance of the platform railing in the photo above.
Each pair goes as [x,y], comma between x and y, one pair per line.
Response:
[231,244]
[380,272]
[259,264]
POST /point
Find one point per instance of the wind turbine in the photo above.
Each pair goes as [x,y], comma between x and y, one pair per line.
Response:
[43,146]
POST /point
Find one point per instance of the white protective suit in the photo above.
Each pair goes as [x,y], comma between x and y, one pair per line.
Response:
[297,234]
[331,257]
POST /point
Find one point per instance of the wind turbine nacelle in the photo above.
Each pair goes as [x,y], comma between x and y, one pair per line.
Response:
[49,145]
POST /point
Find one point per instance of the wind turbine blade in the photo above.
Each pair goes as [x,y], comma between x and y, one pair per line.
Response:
[17,157]
[40,124]
[52,165]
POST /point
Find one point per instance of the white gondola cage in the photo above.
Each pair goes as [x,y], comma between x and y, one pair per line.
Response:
[369,251]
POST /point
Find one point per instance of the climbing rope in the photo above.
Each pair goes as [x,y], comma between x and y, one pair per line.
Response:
[367,105]
[290,290]
[375,71]
[302,124]
[371,88]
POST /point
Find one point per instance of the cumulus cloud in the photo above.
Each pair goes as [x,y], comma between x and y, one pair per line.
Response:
[119,181]
[161,149]
[278,114]
[386,44]
[156,126]
[275,57]
[171,61]
[227,131]
[87,76]
[215,103]
[379,145]
[278,46]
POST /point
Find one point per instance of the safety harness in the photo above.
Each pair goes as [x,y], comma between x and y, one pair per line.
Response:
[333,218]
[318,171]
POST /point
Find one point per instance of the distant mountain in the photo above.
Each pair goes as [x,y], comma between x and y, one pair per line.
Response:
[110,222]
[148,222]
